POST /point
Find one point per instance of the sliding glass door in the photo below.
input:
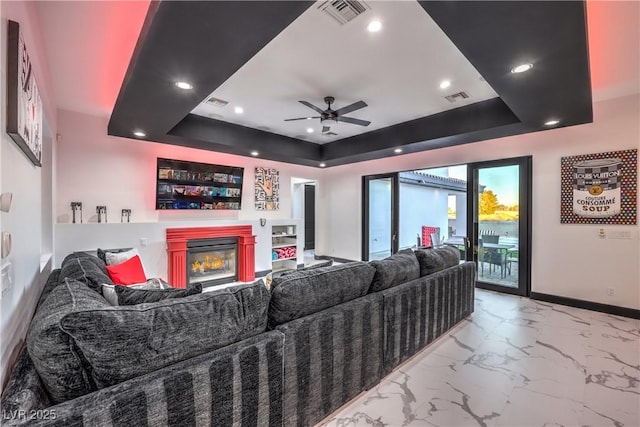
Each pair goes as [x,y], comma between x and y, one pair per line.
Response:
[499,220]
[380,216]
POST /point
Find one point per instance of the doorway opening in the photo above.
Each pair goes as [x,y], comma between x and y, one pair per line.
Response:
[303,193]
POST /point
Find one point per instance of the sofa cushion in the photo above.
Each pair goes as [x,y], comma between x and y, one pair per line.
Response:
[109,291]
[85,268]
[128,296]
[52,351]
[120,343]
[305,292]
[436,259]
[398,268]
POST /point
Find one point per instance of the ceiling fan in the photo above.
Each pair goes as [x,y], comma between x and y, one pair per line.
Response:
[330,117]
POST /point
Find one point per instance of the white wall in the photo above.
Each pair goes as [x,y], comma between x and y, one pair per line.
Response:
[297,200]
[97,169]
[461,214]
[29,220]
[567,260]
[379,215]
[420,205]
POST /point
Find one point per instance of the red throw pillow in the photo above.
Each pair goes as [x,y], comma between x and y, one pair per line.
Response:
[127,273]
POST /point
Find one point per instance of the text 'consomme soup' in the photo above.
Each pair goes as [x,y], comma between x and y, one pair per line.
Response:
[596,187]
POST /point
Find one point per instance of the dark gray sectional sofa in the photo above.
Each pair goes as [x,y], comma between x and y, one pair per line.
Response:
[239,356]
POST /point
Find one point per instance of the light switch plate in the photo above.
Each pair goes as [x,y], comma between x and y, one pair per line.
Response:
[5,244]
[620,234]
[6,277]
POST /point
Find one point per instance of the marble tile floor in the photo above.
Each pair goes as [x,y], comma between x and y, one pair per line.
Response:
[514,362]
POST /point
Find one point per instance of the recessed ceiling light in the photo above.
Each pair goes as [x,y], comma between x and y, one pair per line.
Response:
[522,68]
[397,150]
[445,84]
[139,134]
[238,110]
[374,26]
[309,118]
[254,153]
[184,85]
[551,122]
[322,165]
[310,130]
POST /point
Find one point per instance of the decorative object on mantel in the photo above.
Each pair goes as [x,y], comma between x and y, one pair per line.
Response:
[101,210]
[126,213]
[600,188]
[24,106]
[6,244]
[267,191]
[5,201]
[263,222]
[76,206]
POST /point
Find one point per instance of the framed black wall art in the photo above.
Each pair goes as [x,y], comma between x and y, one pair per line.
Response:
[24,106]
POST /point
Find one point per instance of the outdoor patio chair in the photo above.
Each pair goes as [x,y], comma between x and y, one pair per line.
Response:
[494,257]
[512,256]
[435,240]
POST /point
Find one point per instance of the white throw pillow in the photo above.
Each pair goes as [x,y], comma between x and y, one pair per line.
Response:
[114,258]
[109,293]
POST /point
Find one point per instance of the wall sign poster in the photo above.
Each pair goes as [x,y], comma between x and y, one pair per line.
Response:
[599,188]
[24,106]
[267,189]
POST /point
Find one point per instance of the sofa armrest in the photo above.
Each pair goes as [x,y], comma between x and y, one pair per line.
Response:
[418,312]
[236,385]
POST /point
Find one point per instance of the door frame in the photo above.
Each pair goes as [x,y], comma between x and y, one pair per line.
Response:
[524,227]
[395,208]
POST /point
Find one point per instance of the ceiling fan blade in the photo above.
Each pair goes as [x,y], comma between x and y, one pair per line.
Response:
[302,118]
[349,108]
[311,106]
[325,129]
[353,121]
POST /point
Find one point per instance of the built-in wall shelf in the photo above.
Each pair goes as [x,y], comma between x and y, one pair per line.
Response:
[284,247]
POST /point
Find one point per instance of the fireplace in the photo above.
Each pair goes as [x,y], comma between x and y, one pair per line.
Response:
[212,261]
[184,247]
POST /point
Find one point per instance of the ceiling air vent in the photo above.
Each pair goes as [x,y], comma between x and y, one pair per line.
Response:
[457,96]
[344,11]
[217,102]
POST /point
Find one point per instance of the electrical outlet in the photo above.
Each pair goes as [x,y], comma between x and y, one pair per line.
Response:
[611,292]
[143,241]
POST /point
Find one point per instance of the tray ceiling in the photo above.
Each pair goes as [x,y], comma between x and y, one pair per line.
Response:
[265,56]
